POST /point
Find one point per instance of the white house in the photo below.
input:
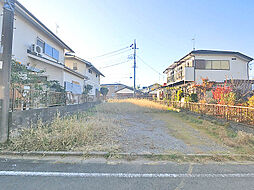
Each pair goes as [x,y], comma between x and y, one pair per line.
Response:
[87,69]
[217,66]
[39,48]
[35,45]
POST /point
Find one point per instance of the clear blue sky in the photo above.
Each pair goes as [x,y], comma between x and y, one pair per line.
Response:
[163,29]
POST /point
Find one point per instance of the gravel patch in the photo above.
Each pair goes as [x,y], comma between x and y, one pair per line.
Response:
[150,133]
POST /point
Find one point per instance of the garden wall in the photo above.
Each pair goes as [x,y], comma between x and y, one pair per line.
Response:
[26,117]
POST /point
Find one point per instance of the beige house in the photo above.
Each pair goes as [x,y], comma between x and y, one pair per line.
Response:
[217,66]
[39,48]
[36,46]
[112,89]
[85,68]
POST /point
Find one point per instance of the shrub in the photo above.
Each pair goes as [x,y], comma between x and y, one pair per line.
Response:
[224,95]
[193,97]
[251,101]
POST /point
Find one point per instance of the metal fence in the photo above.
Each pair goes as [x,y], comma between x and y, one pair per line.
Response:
[23,99]
[232,113]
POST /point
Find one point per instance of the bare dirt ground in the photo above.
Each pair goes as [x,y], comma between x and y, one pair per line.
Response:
[151,131]
[163,133]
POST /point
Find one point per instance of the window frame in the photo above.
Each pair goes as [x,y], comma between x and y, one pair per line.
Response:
[75,68]
[51,52]
[43,42]
[212,65]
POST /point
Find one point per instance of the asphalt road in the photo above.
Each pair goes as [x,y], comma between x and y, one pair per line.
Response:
[93,174]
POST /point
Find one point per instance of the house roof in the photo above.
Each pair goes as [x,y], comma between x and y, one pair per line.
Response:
[125,91]
[35,21]
[75,73]
[129,88]
[84,61]
[222,52]
[209,52]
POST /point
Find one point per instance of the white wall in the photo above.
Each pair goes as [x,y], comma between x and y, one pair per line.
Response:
[52,72]
[93,80]
[26,34]
[69,77]
[83,69]
[238,69]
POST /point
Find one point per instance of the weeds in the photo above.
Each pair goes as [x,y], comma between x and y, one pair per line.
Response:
[82,132]
[242,142]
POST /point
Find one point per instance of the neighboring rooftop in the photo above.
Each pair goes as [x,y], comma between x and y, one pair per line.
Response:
[221,52]
[200,52]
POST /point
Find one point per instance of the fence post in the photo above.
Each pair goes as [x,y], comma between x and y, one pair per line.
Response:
[46,104]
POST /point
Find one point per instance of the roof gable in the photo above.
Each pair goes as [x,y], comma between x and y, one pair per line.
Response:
[35,21]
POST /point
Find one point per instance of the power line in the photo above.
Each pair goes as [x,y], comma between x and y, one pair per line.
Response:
[149,65]
[114,64]
[112,52]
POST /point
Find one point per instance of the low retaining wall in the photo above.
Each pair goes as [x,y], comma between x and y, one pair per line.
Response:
[26,117]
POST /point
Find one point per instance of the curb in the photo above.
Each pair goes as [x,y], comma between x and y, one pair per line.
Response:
[127,155]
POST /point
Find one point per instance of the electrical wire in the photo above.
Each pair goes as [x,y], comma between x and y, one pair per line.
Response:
[114,64]
[109,53]
[149,65]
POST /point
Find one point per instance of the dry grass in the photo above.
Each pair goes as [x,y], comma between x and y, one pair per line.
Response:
[240,141]
[96,130]
[81,132]
[138,105]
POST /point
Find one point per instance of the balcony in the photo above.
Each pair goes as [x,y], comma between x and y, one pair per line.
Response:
[185,74]
[189,74]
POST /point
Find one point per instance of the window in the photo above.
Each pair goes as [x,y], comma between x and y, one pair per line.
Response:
[52,52]
[189,63]
[200,64]
[41,44]
[48,50]
[90,71]
[212,64]
[96,75]
[216,65]
[55,54]
[75,66]
[224,65]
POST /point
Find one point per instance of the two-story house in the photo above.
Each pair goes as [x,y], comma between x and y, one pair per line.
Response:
[92,75]
[36,46]
[217,66]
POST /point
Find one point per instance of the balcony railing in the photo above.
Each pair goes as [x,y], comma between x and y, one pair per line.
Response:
[185,74]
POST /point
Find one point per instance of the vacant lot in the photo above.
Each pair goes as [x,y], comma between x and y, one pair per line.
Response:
[133,126]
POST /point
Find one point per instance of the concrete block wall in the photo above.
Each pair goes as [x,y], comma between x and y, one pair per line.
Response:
[26,118]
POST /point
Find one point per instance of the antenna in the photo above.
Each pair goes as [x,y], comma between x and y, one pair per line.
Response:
[193,42]
[57,27]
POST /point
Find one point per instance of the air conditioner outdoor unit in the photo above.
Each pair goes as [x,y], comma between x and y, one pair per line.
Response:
[36,49]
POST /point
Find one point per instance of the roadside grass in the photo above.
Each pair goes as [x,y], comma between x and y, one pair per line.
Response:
[138,105]
[88,131]
[240,141]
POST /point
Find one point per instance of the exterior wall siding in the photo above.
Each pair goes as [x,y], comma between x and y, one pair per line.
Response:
[237,70]
[24,35]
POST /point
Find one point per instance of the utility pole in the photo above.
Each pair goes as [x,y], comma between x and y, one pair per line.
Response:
[134,46]
[5,67]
